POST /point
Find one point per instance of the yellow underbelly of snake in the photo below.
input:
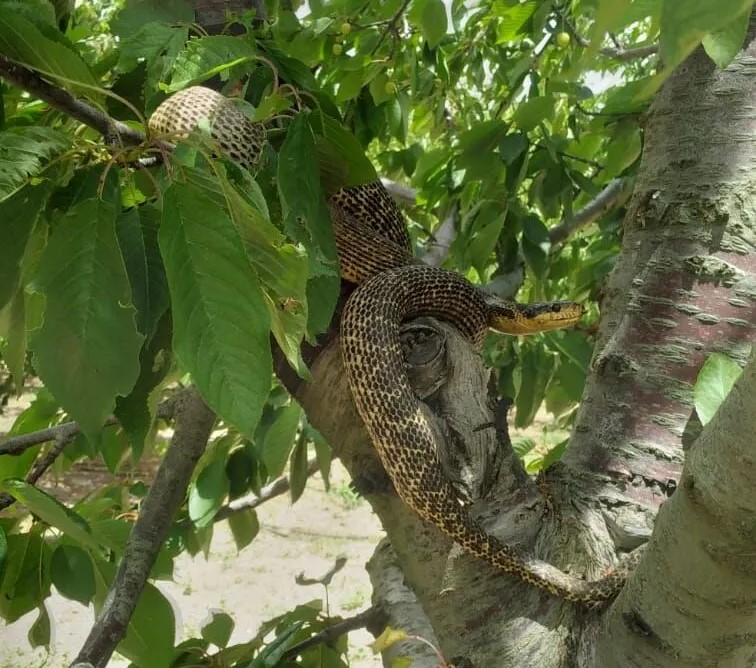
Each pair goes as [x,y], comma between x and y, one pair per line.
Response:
[374,252]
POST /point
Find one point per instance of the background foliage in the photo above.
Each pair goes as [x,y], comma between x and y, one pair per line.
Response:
[118,284]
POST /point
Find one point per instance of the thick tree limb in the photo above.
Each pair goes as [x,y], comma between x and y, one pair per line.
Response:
[702,556]
[372,617]
[62,100]
[194,423]
[609,197]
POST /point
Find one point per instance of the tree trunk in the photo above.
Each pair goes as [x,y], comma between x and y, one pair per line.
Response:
[684,286]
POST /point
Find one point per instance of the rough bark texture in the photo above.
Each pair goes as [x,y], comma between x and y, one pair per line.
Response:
[683,287]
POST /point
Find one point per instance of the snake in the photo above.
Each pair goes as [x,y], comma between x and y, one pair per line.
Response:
[393,286]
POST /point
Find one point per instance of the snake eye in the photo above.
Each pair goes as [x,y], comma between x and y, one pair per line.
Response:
[556,307]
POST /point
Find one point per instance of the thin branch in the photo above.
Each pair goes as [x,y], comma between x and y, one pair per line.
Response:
[114,131]
[609,197]
[194,423]
[371,617]
[44,463]
[403,195]
[391,25]
[16,445]
[443,238]
[251,501]
[617,52]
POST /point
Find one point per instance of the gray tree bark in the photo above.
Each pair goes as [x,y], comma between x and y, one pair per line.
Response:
[684,286]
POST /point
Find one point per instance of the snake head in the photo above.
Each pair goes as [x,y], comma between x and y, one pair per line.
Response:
[520,319]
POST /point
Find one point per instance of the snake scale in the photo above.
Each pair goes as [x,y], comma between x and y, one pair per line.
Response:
[393,286]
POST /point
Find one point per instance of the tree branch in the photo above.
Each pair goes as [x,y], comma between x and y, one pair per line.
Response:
[44,463]
[194,423]
[403,195]
[611,195]
[443,238]
[617,52]
[16,445]
[705,528]
[114,131]
[391,25]
[371,617]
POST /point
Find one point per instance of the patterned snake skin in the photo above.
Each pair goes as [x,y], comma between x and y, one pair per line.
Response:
[374,251]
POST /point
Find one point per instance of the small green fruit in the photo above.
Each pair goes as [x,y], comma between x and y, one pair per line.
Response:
[563,40]
[336,49]
[345,28]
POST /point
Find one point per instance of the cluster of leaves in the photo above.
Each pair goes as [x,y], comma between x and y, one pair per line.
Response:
[116,282]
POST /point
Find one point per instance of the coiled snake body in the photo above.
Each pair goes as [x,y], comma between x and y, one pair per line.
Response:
[374,251]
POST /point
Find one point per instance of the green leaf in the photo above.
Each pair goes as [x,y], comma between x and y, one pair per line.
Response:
[624,149]
[535,245]
[632,97]
[22,152]
[536,369]
[18,215]
[714,382]
[40,631]
[221,321]
[137,231]
[51,511]
[279,439]
[306,219]
[341,158]
[151,631]
[23,42]
[724,44]
[512,146]
[25,577]
[134,15]
[72,573]
[512,18]
[87,350]
[218,628]
[13,329]
[433,21]
[244,527]
[208,491]
[207,56]
[135,412]
[298,470]
[149,43]
[683,24]
[40,12]
[533,111]
[271,655]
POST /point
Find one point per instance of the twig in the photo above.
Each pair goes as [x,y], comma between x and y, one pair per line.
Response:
[44,463]
[251,501]
[194,423]
[391,25]
[16,445]
[611,195]
[617,52]
[114,131]
[370,617]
